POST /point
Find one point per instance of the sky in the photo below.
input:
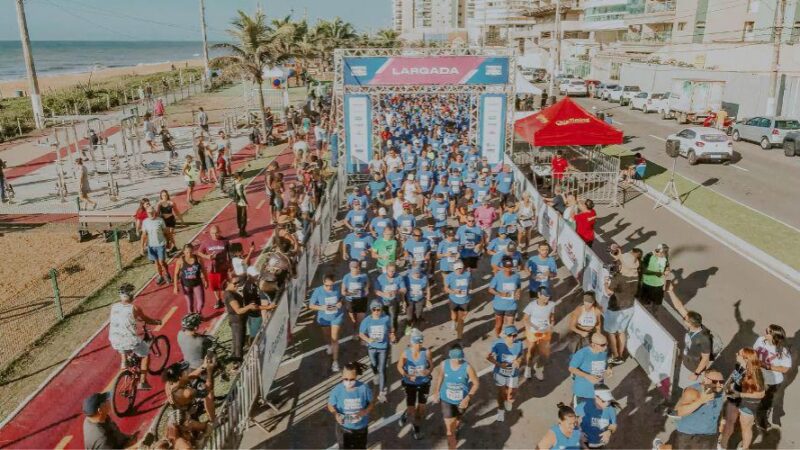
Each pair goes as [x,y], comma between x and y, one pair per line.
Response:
[171,20]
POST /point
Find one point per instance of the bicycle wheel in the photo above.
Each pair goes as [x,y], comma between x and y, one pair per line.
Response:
[124,393]
[159,354]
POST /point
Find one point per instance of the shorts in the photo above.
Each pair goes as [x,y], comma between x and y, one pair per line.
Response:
[335,322]
[414,309]
[451,411]
[456,307]
[356,305]
[652,295]
[470,262]
[351,439]
[417,394]
[535,336]
[290,133]
[505,313]
[617,321]
[504,381]
[216,281]
[141,349]
[190,183]
[693,441]
[204,127]
[158,253]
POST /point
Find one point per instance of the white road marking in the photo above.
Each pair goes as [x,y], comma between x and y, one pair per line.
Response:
[658,137]
[616,122]
[735,166]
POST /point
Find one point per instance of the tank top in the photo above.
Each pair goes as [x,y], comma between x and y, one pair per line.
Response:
[540,315]
[122,328]
[416,366]
[165,209]
[190,273]
[587,320]
[703,421]
[455,385]
[572,442]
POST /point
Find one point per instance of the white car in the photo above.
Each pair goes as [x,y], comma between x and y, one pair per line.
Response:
[700,144]
[563,84]
[614,94]
[602,92]
[645,101]
[628,92]
[577,88]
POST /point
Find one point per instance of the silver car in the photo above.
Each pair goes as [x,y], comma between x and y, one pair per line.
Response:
[765,130]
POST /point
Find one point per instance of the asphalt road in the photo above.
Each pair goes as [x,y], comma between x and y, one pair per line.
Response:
[764,180]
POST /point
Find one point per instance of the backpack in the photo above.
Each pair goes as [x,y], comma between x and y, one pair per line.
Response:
[716,343]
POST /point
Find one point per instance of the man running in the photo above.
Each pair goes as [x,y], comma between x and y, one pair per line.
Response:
[455,384]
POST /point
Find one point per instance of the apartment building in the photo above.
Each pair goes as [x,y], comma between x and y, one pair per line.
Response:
[429,20]
[491,22]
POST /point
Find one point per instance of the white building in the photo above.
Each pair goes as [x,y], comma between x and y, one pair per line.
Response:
[490,21]
[429,20]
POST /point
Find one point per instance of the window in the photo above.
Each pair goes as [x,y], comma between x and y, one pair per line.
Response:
[754,121]
[681,26]
[699,32]
[687,134]
[765,123]
[747,32]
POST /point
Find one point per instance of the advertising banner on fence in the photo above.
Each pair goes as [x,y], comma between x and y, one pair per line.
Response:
[358,131]
[274,339]
[653,348]
[548,225]
[571,248]
[425,70]
[492,131]
[299,292]
[594,276]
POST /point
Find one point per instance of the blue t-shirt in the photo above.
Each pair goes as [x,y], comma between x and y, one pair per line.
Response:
[456,185]
[391,285]
[589,362]
[425,180]
[469,237]
[417,249]
[439,212]
[504,182]
[356,284]
[379,223]
[480,191]
[443,189]
[510,221]
[409,160]
[498,245]
[378,329]
[416,367]
[396,179]
[508,285]
[459,283]
[595,420]
[505,354]
[540,271]
[417,287]
[329,299]
[460,166]
[434,236]
[377,188]
[448,253]
[356,218]
[406,223]
[361,198]
[349,403]
[357,245]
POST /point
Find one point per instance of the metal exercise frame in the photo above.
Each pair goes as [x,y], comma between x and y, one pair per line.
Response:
[375,92]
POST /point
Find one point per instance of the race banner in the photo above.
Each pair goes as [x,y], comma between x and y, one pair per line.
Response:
[492,130]
[274,338]
[571,248]
[594,276]
[653,348]
[428,70]
[548,225]
[358,132]
[298,297]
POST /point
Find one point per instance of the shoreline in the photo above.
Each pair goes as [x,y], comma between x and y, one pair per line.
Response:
[54,82]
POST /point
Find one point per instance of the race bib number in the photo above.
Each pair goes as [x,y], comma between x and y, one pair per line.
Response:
[527,223]
[416,290]
[598,368]
[419,254]
[354,288]
[351,406]
[506,371]
[440,213]
[502,247]
[330,304]
[359,245]
[509,287]
[455,393]
[377,332]
[511,229]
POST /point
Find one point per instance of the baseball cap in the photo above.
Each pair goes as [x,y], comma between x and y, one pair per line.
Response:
[603,393]
[93,402]
[662,247]
[510,330]
[416,336]
[544,290]
[381,211]
[458,265]
[375,304]
[508,262]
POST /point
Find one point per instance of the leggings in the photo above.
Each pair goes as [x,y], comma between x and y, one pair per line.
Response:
[241,218]
[378,360]
[393,309]
[195,298]
[238,329]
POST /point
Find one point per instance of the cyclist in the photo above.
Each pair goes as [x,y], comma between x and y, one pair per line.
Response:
[455,384]
[183,387]
[122,331]
[415,367]
[193,344]
[506,355]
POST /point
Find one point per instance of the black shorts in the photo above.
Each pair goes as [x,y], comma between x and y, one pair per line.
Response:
[652,295]
[470,262]
[356,306]
[204,127]
[351,439]
[504,313]
[456,307]
[414,309]
[692,441]
[417,394]
[451,411]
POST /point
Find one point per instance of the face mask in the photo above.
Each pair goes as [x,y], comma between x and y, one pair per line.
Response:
[349,383]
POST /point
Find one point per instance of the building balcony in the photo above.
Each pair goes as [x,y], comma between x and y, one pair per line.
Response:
[653,12]
[548,9]
[660,37]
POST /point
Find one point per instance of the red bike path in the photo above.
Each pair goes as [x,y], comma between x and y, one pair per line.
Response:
[53,418]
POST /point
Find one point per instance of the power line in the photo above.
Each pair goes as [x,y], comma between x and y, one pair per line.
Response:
[116,32]
[110,13]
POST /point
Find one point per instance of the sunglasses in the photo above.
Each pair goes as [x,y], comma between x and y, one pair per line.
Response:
[599,345]
[377,309]
[716,381]
[349,379]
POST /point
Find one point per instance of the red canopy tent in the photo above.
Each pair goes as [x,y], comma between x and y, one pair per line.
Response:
[566,123]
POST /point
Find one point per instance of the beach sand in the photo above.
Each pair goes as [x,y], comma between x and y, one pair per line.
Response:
[60,81]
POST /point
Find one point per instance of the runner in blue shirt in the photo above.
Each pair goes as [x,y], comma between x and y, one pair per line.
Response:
[455,384]
[327,302]
[505,286]
[588,367]
[470,236]
[396,178]
[443,186]
[511,252]
[456,185]
[391,288]
[542,268]
[419,295]
[377,224]
[350,402]
[355,290]
[433,236]
[377,331]
[417,250]
[506,355]
[377,187]
[472,155]
[448,251]
[458,164]
[457,286]
[356,194]
[498,245]
[598,418]
[406,221]
[425,177]
[356,217]
[439,208]
[481,188]
[409,159]
[358,242]
[415,366]
[510,219]
[504,183]
[565,435]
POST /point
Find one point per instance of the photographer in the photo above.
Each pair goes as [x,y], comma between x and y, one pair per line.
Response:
[621,287]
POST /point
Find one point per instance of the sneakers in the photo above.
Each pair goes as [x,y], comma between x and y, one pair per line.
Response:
[328,350]
[452,326]
[408,330]
[528,374]
[334,367]
[657,443]
[539,373]
[615,361]
[416,433]
[501,416]
[672,414]
[403,420]
[145,386]
[219,305]
[169,279]
[507,405]
[159,280]
[382,396]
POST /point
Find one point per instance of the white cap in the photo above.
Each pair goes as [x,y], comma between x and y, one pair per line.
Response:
[252,271]
[458,265]
[238,266]
[604,395]
[382,211]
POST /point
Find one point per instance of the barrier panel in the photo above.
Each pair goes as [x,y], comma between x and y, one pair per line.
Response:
[594,275]
[548,221]
[275,339]
[571,248]
[651,345]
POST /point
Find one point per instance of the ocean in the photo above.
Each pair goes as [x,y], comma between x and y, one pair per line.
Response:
[55,57]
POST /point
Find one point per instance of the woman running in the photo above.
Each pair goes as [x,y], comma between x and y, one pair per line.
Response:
[506,356]
[191,276]
[745,389]
[327,302]
[415,367]
[584,320]
[455,384]
[350,402]
[457,287]
[539,318]
[376,330]
[168,211]
[564,435]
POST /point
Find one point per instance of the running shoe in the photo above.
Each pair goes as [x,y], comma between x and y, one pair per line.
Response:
[145,386]
[615,361]
[408,330]
[528,374]
[417,433]
[501,416]
[672,414]
[452,326]
[334,367]
[540,374]
[657,443]
[219,305]
[403,420]
[382,396]
[328,350]
[507,405]
[159,280]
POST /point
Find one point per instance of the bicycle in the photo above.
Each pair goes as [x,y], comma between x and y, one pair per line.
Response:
[126,384]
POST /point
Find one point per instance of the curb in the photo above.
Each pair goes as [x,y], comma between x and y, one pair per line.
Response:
[777,268]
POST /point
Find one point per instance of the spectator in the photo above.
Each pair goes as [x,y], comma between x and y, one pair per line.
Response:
[775,362]
[699,410]
[585,221]
[558,166]
[99,431]
[697,343]
[237,314]
[621,288]
[655,267]
[745,388]
[240,200]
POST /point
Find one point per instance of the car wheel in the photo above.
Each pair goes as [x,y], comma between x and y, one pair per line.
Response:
[788,148]
[692,158]
[765,143]
[663,114]
[735,135]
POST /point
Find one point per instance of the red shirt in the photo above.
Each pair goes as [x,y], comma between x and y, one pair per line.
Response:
[558,166]
[218,249]
[584,225]
[140,215]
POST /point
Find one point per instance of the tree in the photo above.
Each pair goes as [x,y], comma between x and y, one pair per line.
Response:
[386,38]
[257,45]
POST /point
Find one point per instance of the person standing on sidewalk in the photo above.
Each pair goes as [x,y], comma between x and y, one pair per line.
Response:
[99,431]
[697,343]
[775,362]
[238,312]
[240,200]
[202,121]
[699,410]
[154,244]
[84,188]
[217,250]
[655,267]
[3,198]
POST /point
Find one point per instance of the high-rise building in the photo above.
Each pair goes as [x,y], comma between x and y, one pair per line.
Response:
[403,16]
[490,21]
[429,20]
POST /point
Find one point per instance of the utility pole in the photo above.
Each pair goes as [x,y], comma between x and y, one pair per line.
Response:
[33,83]
[556,60]
[205,41]
[772,100]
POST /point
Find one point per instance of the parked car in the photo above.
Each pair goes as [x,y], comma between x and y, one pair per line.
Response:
[563,83]
[614,95]
[577,88]
[645,101]
[627,94]
[766,131]
[604,91]
[791,144]
[700,144]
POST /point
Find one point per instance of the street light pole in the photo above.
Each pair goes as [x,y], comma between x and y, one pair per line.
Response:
[205,40]
[555,60]
[33,82]
[772,100]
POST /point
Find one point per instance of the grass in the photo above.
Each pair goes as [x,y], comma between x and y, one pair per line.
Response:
[757,229]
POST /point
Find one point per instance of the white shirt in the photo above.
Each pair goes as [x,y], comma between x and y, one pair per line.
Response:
[300,146]
[155,231]
[769,356]
[391,163]
[539,315]
[122,327]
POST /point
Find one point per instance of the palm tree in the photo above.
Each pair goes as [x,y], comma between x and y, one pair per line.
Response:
[387,38]
[257,46]
[334,34]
